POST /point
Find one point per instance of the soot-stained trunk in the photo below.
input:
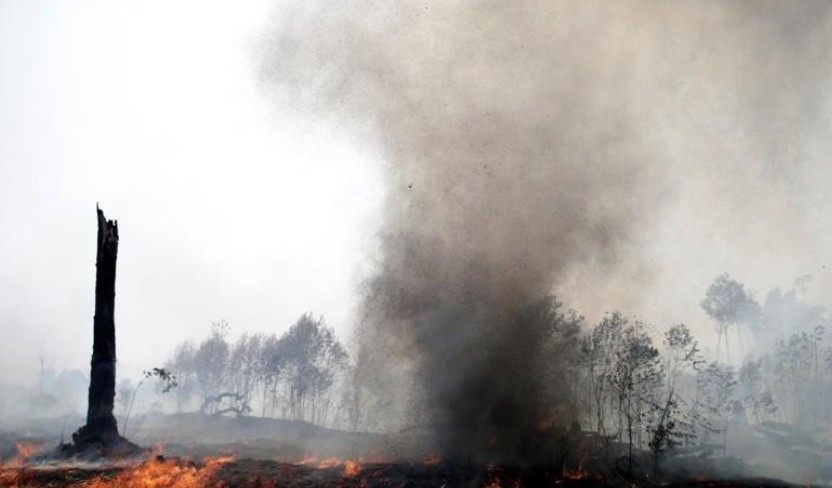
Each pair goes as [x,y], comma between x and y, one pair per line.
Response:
[101,424]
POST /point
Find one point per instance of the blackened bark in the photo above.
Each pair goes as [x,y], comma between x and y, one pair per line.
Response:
[101,424]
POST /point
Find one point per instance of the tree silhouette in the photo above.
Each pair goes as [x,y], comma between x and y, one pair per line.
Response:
[729,304]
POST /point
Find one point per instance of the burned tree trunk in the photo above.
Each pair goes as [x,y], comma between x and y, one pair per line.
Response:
[101,430]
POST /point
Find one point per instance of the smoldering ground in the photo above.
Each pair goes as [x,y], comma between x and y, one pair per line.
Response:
[532,147]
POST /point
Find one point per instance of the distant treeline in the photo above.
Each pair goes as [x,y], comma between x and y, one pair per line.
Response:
[292,376]
[616,378]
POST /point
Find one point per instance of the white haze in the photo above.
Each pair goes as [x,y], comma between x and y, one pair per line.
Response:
[225,211]
[230,209]
[560,146]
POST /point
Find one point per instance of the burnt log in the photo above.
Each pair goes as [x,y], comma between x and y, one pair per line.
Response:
[100,433]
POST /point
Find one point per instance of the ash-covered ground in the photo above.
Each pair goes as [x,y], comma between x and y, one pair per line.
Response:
[197,450]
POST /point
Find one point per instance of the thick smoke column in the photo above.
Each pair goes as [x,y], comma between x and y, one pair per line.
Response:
[527,142]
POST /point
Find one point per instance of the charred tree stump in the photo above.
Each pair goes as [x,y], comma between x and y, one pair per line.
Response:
[100,434]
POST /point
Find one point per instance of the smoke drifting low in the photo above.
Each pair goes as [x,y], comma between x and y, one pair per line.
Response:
[526,144]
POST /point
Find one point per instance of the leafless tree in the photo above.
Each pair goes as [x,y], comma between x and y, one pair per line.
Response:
[717,384]
[313,358]
[210,361]
[669,425]
[598,353]
[636,374]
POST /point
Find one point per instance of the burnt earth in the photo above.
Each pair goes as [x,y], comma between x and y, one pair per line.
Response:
[89,448]
[262,473]
[251,473]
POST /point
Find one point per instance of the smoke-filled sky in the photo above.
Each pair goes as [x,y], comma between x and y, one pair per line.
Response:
[616,153]
[261,158]
[154,110]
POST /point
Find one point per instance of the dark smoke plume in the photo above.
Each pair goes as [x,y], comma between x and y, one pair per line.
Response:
[527,142]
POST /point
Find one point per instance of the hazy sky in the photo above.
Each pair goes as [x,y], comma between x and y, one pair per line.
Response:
[226,208]
[230,207]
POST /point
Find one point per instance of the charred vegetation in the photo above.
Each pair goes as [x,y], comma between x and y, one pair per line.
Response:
[99,436]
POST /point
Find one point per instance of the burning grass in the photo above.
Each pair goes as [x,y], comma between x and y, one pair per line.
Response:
[243,473]
[157,470]
[28,468]
[153,471]
[163,473]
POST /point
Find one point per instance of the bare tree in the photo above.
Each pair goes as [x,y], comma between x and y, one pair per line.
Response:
[210,361]
[717,384]
[313,359]
[244,365]
[598,353]
[181,363]
[669,426]
[794,367]
[269,369]
[352,399]
[636,374]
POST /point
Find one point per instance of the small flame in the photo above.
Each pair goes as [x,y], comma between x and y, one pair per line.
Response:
[9,474]
[496,483]
[329,463]
[307,460]
[351,469]
[25,450]
[575,474]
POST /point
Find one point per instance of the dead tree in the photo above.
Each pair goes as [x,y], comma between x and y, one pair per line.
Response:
[101,428]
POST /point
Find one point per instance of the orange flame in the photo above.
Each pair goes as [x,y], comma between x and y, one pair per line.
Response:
[25,450]
[9,475]
[167,473]
[331,462]
[351,469]
[576,474]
